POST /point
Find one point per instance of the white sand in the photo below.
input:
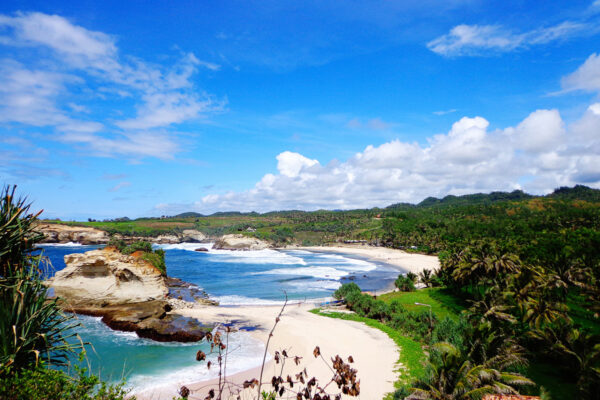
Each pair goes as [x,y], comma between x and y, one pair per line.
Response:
[412,262]
[298,332]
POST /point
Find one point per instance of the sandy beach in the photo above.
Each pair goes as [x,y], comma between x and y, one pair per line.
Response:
[412,262]
[299,332]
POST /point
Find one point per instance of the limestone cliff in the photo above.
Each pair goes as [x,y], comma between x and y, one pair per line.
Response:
[57,233]
[240,242]
[108,277]
[129,294]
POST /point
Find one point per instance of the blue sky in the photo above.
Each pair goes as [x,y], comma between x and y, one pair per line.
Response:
[113,108]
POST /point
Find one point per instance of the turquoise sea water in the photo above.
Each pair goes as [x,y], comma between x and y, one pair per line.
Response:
[232,278]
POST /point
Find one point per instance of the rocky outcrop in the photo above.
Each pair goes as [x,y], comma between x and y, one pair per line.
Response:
[108,277]
[240,242]
[56,233]
[193,236]
[128,292]
[150,320]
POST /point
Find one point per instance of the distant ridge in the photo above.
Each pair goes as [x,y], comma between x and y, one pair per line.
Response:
[578,192]
[189,214]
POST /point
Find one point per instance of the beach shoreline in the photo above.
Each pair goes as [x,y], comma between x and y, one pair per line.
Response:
[299,331]
[404,261]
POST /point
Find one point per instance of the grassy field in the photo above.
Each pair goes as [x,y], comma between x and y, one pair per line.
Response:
[412,357]
[443,304]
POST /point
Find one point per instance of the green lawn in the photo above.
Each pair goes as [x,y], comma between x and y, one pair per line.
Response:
[412,357]
[443,304]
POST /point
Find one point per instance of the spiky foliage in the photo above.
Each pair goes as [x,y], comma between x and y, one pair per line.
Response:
[17,234]
[452,376]
[33,328]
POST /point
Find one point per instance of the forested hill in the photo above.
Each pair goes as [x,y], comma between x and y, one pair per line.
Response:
[578,192]
[431,226]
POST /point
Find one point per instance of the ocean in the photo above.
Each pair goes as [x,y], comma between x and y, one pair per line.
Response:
[231,277]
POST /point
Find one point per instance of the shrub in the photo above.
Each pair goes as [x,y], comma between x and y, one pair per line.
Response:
[344,290]
[47,384]
[33,329]
[404,284]
[146,247]
[156,257]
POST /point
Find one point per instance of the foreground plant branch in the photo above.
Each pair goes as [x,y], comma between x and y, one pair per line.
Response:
[297,385]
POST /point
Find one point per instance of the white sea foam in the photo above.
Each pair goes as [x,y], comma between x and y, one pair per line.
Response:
[236,300]
[314,286]
[245,353]
[183,246]
[68,244]
[313,272]
[266,256]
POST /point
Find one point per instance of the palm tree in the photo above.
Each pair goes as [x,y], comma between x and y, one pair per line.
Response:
[425,277]
[577,350]
[451,376]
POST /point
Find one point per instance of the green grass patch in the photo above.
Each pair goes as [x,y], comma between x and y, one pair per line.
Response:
[412,357]
[443,303]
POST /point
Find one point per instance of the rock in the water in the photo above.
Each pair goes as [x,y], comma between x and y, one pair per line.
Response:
[193,236]
[240,242]
[166,239]
[201,249]
[149,320]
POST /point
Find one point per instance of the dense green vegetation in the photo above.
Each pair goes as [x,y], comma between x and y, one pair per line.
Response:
[154,257]
[35,331]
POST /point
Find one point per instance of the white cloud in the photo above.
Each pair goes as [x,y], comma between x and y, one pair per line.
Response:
[541,150]
[132,146]
[586,77]
[119,186]
[41,96]
[464,40]
[290,164]
[27,95]
[163,109]
[77,44]
[444,112]
[542,130]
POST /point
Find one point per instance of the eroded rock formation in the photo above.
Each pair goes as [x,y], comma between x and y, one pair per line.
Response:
[59,233]
[56,233]
[240,242]
[128,292]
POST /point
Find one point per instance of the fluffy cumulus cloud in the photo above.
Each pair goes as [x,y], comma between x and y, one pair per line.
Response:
[464,40]
[70,65]
[537,155]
